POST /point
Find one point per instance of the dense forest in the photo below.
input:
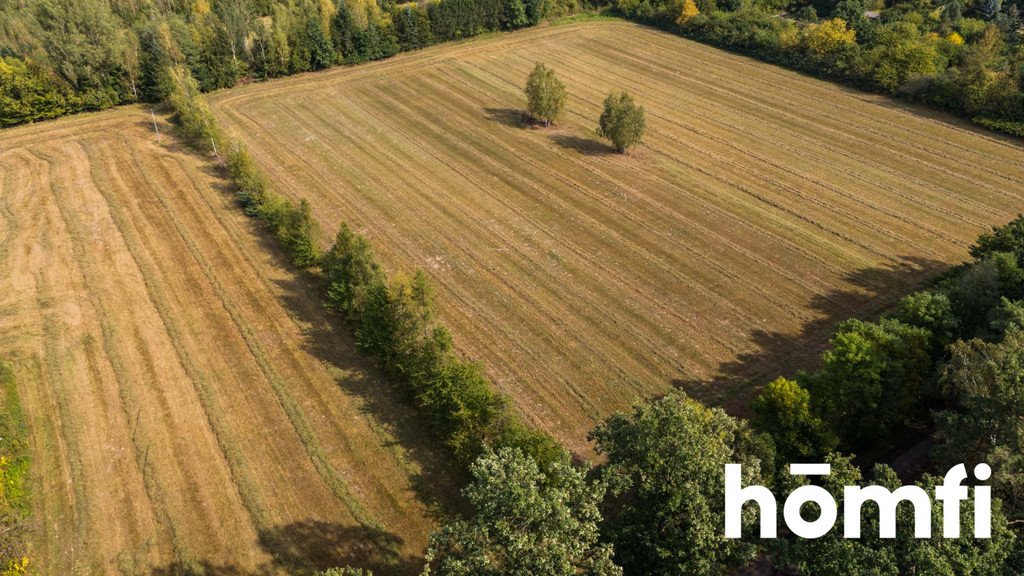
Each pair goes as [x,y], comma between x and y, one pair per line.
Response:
[60,57]
[966,56]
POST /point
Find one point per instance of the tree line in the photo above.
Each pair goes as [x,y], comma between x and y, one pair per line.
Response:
[966,56]
[64,56]
[59,57]
[950,359]
[392,316]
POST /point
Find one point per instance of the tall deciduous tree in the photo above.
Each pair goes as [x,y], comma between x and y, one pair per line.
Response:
[783,410]
[527,522]
[873,377]
[985,384]
[622,121]
[666,459]
[545,94]
[904,554]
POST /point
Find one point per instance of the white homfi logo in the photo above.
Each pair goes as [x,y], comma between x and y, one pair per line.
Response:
[950,493]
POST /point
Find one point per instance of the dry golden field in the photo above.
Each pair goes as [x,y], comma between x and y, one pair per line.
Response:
[764,206]
[188,406]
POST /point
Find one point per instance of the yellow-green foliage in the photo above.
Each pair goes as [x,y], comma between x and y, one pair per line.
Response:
[364,12]
[829,37]
[687,12]
[28,93]
[14,461]
[193,114]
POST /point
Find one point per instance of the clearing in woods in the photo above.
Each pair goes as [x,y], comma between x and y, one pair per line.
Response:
[764,206]
[188,407]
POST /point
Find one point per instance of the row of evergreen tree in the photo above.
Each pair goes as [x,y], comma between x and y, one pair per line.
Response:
[63,56]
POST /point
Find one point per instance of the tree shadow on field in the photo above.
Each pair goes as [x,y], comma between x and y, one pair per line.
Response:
[311,546]
[585,146]
[307,547]
[381,397]
[435,482]
[205,568]
[508,117]
[941,116]
[869,293]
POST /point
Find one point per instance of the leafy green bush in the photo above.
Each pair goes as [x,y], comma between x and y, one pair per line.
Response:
[784,411]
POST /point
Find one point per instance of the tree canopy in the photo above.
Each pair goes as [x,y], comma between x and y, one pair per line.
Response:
[622,121]
[665,460]
[545,95]
[526,522]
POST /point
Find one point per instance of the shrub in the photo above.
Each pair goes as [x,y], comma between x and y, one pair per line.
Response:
[783,410]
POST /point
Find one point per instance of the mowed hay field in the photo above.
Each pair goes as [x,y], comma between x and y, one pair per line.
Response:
[763,207]
[187,406]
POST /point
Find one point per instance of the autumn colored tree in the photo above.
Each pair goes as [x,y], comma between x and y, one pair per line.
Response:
[688,10]
[829,37]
